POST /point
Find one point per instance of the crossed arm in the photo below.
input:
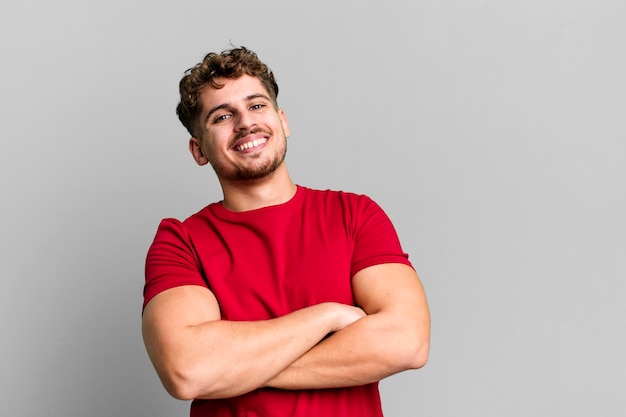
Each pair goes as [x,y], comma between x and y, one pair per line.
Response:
[197,355]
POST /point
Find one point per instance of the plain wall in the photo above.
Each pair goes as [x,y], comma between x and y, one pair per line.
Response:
[492,132]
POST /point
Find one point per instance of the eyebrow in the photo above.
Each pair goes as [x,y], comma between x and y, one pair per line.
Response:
[226,105]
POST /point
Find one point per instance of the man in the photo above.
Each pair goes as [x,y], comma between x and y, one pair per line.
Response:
[278,300]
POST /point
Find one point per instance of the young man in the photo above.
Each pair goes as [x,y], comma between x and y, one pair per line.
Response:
[278,300]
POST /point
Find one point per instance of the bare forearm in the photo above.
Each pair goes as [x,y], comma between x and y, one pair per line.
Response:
[364,352]
[219,359]
[250,353]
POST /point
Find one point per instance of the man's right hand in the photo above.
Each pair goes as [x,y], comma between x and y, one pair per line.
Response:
[346,315]
[198,355]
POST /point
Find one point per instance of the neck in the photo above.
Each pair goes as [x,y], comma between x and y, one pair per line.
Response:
[276,188]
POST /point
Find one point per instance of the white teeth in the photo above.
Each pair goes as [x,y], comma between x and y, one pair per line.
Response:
[252,144]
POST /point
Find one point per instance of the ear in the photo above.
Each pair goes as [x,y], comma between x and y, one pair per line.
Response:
[195,147]
[284,123]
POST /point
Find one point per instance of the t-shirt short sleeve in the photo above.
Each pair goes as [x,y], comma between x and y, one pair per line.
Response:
[376,240]
[171,260]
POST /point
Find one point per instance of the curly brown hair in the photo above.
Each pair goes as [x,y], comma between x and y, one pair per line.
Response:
[231,63]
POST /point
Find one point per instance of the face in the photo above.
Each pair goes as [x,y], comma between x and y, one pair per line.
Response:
[241,134]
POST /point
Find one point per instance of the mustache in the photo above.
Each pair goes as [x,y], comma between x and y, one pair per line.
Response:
[253,131]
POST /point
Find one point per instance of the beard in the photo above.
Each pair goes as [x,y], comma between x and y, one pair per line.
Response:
[258,171]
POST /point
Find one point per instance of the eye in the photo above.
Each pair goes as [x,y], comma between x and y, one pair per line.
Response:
[258,106]
[221,118]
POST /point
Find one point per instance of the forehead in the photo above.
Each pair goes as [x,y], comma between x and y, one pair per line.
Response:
[233,90]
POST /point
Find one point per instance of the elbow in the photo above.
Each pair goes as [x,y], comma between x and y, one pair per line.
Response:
[180,392]
[408,347]
[188,383]
[419,356]
[179,384]
[184,380]
[419,346]
[415,353]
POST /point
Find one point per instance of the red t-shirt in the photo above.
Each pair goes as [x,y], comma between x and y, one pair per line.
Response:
[265,263]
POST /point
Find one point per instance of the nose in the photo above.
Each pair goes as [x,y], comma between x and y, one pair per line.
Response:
[245,121]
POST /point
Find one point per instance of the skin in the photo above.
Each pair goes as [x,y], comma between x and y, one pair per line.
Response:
[236,115]
[198,355]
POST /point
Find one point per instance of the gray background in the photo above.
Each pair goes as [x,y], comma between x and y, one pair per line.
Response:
[492,132]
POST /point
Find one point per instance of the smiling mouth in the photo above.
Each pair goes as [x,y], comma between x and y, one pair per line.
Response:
[251,144]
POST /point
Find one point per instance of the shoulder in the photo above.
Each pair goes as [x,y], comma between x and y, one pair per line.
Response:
[174,232]
[204,215]
[336,198]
